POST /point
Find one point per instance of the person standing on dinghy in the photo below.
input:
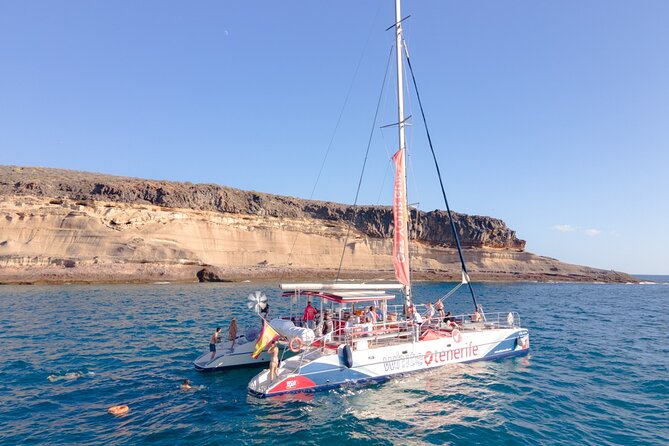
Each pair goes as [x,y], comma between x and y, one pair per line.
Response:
[232,333]
[274,362]
[216,338]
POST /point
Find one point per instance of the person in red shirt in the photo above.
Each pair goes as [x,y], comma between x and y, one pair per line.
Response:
[309,315]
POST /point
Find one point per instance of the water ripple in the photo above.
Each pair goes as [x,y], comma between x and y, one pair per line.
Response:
[597,374]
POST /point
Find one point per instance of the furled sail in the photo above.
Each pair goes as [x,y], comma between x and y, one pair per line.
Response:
[400,217]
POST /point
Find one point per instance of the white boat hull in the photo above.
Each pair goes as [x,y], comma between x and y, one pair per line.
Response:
[225,358]
[380,363]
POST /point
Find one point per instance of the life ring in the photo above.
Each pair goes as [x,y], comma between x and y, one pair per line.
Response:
[457,337]
[295,345]
[118,410]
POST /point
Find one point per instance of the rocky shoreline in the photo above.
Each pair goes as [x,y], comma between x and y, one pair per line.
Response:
[61,226]
[147,274]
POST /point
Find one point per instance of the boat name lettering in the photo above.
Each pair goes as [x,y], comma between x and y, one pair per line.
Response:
[399,361]
[467,351]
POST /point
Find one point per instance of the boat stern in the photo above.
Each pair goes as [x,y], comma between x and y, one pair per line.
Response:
[288,380]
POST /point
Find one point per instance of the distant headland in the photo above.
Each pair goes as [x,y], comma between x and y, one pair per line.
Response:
[64,226]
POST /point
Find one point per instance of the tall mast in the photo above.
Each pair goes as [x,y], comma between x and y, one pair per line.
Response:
[399,44]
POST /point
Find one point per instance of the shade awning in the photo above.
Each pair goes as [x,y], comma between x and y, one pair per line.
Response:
[343,296]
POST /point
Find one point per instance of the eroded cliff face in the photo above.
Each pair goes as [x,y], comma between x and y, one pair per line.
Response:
[58,225]
[373,221]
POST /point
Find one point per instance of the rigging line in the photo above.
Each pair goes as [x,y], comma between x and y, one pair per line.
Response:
[383,183]
[341,112]
[411,171]
[390,162]
[334,132]
[417,220]
[385,146]
[364,164]
[409,138]
[441,183]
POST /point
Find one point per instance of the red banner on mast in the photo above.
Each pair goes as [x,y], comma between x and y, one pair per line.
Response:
[400,217]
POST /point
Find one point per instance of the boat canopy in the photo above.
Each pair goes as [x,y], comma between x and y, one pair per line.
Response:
[340,286]
[343,296]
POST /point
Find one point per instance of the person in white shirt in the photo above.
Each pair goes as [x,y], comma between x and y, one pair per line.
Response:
[348,328]
[368,327]
[430,312]
[417,322]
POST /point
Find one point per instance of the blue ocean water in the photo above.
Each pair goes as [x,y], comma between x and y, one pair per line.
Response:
[597,374]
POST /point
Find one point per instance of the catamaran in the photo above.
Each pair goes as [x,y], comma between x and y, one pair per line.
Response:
[397,339]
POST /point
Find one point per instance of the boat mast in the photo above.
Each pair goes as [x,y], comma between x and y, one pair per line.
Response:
[400,112]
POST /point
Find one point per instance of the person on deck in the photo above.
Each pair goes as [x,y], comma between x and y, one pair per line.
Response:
[348,328]
[328,328]
[372,314]
[264,312]
[216,338]
[430,312]
[273,350]
[410,311]
[368,328]
[232,333]
[309,315]
[417,322]
[439,306]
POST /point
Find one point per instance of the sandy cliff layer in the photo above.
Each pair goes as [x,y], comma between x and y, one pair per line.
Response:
[58,225]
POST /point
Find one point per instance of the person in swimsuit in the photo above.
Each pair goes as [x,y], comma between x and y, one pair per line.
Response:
[476,317]
[274,362]
[213,341]
[186,385]
[232,332]
[439,306]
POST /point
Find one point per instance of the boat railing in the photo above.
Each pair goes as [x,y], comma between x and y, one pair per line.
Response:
[359,336]
[329,343]
[489,320]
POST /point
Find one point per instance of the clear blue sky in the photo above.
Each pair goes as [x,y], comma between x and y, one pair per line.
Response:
[553,116]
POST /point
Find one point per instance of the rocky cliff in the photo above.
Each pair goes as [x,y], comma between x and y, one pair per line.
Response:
[61,225]
[373,221]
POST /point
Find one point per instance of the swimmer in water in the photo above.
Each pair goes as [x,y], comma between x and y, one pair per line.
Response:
[68,376]
[186,385]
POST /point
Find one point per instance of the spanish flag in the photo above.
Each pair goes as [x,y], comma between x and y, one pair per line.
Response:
[267,335]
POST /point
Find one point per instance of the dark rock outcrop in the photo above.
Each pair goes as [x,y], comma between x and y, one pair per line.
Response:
[374,221]
[211,274]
